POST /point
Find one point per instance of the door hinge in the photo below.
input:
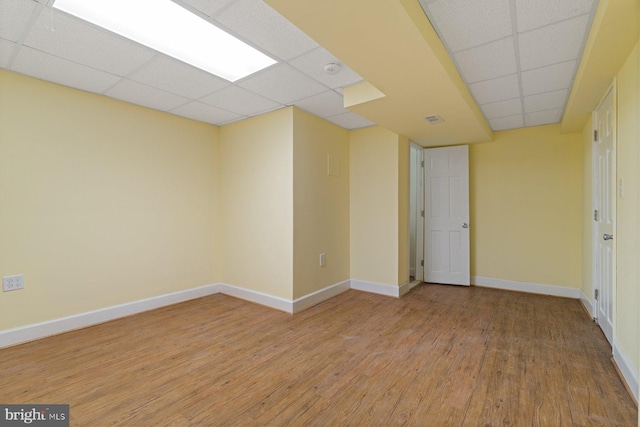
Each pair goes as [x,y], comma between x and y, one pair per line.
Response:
[422,213]
[595,135]
[595,215]
[596,293]
[422,263]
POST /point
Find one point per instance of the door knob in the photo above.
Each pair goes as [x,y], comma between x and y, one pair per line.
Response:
[465,225]
[607,236]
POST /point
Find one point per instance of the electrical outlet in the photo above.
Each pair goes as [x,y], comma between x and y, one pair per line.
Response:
[12,283]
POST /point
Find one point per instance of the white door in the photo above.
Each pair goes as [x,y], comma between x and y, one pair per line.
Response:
[605,213]
[446,206]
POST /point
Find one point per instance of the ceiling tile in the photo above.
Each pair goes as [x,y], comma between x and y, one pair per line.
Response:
[545,101]
[488,61]
[543,117]
[540,47]
[547,79]
[48,67]
[282,83]
[70,38]
[504,123]
[240,101]
[6,49]
[323,105]
[177,77]
[506,108]
[207,7]
[258,23]
[146,96]
[312,64]
[534,14]
[464,24]
[205,113]
[494,90]
[350,121]
[14,16]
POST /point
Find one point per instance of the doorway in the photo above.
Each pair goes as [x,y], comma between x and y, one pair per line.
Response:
[604,212]
[416,213]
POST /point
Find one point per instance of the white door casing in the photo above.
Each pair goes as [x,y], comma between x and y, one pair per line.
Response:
[446,206]
[604,202]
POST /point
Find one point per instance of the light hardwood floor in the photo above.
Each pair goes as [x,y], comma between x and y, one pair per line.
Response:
[440,356]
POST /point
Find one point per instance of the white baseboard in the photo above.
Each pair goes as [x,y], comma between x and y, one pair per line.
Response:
[533,288]
[322,295]
[626,369]
[586,302]
[379,288]
[36,331]
[257,297]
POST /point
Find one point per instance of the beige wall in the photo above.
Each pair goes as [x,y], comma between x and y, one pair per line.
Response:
[256,203]
[101,202]
[376,155]
[627,322]
[403,210]
[526,201]
[320,203]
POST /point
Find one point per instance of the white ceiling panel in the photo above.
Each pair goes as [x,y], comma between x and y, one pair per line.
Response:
[207,7]
[70,38]
[240,101]
[504,123]
[312,64]
[464,24]
[282,83]
[260,24]
[14,16]
[48,67]
[540,47]
[146,96]
[488,61]
[205,113]
[495,90]
[325,104]
[535,14]
[545,101]
[543,117]
[6,49]
[177,77]
[506,108]
[350,121]
[547,79]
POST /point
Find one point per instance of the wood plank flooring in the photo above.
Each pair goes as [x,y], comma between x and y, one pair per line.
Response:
[440,356]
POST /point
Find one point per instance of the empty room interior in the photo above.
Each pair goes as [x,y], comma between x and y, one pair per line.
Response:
[407,212]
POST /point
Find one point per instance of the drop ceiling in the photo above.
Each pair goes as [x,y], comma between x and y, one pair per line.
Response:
[42,42]
[517,57]
[489,65]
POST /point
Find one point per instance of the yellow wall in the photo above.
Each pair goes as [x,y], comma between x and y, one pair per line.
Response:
[101,202]
[628,210]
[320,203]
[375,156]
[526,201]
[256,203]
[403,210]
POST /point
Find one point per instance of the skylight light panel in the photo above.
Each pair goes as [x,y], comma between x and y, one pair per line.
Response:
[168,28]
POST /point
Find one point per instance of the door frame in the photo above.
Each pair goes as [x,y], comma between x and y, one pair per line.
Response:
[595,235]
[419,268]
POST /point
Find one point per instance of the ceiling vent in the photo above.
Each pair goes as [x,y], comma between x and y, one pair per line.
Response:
[434,120]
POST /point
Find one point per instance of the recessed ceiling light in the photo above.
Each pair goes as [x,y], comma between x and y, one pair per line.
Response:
[168,28]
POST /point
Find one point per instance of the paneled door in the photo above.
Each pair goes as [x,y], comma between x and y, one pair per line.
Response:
[446,229]
[604,213]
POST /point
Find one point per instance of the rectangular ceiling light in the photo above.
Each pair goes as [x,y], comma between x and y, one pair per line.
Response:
[171,29]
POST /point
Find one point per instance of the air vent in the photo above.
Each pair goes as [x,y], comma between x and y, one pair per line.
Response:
[434,120]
